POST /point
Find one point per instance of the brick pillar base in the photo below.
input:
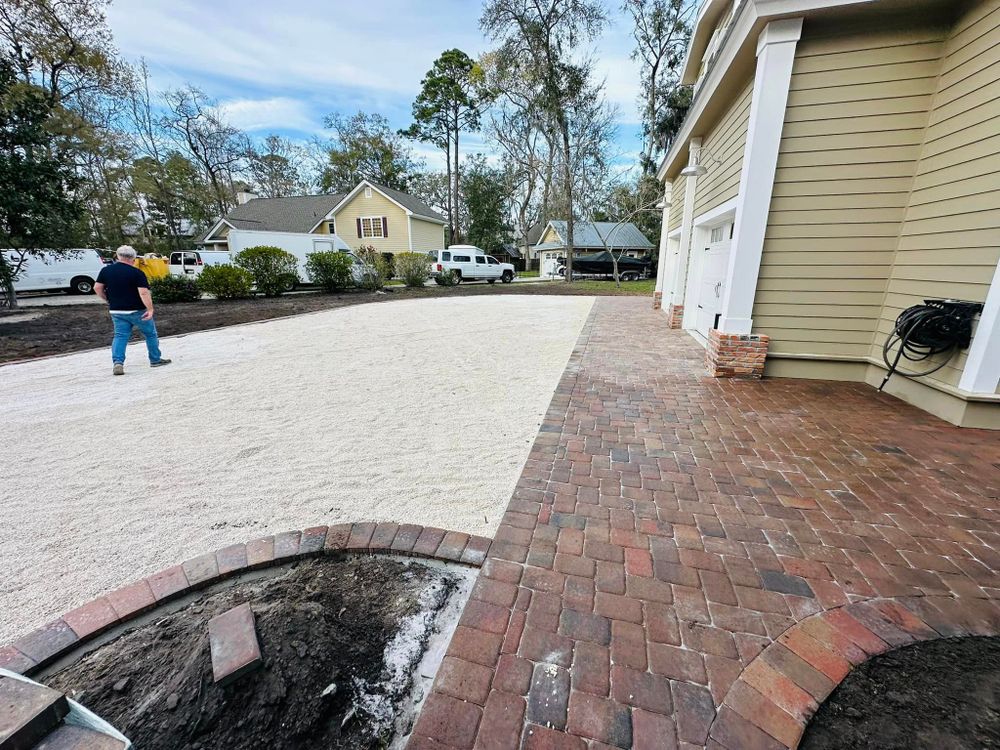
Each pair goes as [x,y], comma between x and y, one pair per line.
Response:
[675,314]
[733,355]
[657,300]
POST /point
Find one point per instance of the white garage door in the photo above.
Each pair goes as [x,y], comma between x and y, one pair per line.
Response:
[714,265]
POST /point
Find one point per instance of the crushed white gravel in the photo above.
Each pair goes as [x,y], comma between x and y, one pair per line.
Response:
[417,411]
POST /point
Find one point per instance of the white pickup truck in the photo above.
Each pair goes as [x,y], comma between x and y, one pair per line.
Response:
[469,263]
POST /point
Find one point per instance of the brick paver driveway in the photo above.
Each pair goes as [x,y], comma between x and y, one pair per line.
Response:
[690,562]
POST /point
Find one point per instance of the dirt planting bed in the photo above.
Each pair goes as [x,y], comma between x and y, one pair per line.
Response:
[936,695]
[69,328]
[340,640]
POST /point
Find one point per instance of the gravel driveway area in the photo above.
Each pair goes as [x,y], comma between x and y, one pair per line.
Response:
[418,411]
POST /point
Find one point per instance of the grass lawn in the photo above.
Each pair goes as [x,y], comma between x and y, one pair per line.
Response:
[528,274]
[641,287]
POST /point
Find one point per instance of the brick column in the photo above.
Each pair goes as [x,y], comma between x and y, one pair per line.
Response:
[736,355]
[657,300]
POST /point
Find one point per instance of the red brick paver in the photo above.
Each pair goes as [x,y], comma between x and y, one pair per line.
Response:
[232,637]
[693,562]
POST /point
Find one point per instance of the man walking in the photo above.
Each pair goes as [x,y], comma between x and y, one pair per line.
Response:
[126,290]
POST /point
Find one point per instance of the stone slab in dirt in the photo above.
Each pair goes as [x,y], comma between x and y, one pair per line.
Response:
[936,695]
[340,640]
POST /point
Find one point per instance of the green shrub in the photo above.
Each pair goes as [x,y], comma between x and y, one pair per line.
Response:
[412,268]
[330,269]
[274,271]
[447,277]
[376,270]
[172,288]
[226,282]
[390,265]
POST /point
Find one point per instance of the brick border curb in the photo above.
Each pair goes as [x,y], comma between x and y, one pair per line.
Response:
[771,702]
[45,644]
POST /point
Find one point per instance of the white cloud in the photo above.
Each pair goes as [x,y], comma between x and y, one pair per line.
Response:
[306,45]
[281,68]
[275,113]
[622,87]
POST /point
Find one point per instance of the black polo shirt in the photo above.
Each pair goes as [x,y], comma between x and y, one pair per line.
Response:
[122,283]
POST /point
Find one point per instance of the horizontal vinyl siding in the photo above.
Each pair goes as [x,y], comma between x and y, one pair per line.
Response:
[857,112]
[426,235]
[726,144]
[676,204]
[377,205]
[950,239]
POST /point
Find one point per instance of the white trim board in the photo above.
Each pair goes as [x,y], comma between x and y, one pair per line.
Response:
[982,366]
[772,79]
[748,15]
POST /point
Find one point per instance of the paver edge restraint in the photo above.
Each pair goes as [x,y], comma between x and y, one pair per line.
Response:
[39,648]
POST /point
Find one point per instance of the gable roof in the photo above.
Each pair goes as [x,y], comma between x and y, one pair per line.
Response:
[587,234]
[303,213]
[295,213]
[409,203]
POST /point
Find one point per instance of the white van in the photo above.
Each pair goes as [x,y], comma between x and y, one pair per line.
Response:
[299,244]
[191,262]
[74,271]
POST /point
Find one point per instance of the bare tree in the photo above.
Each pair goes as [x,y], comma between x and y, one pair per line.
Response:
[217,147]
[273,167]
[542,39]
[661,32]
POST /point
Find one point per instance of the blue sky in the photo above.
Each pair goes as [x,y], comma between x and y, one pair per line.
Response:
[280,67]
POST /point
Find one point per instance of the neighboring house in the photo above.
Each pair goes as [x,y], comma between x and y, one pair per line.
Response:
[509,253]
[138,231]
[589,237]
[370,215]
[525,245]
[839,164]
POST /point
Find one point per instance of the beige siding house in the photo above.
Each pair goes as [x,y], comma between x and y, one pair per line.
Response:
[624,238]
[369,216]
[840,164]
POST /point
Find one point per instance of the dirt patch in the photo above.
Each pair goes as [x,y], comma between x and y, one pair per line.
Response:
[340,640]
[69,328]
[936,695]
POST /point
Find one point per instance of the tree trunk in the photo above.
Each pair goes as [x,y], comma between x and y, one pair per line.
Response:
[451,204]
[568,187]
[457,198]
[9,299]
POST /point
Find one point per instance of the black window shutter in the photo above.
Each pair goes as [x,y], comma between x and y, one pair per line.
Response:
[359,226]
[385,226]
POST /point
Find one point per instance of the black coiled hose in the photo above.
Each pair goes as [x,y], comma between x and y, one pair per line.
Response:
[923,332]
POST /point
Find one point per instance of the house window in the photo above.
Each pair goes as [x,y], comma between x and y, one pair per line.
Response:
[717,234]
[368,192]
[371,226]
[331,227]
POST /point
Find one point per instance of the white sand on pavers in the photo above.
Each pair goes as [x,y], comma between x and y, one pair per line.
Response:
[417,411]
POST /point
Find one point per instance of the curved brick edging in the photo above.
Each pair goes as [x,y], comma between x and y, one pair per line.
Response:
[775,696]
[42,646]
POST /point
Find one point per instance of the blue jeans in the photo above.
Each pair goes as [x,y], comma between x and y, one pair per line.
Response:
[124,322]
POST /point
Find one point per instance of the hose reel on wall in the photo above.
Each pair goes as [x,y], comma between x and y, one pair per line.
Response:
[936,328]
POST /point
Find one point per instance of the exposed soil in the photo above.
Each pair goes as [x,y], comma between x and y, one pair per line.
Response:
[937,695]
[69,328]
[323,627]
